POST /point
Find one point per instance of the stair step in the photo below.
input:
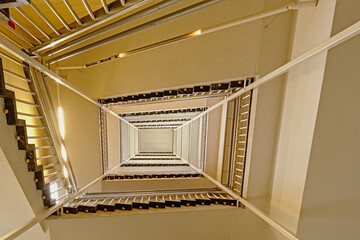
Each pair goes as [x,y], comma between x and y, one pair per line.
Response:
[154,164]
[50,178]
[29,115]
[44,147]
[50,174]
[16,75]
[141,202]
[152,176]
[19,89]
[35,126]
[27,103]
[49,166]
[46,157]
[38,137]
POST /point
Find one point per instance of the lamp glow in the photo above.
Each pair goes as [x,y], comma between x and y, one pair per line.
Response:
[122,55]
[66,174]
[196,33]
[61,122]
[63,153]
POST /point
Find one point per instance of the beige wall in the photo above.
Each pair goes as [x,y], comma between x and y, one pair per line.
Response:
[82,136]
[19,201]
[299,111]
[212,223]
[15,209]
[155,140]
[273,52]
[330,206]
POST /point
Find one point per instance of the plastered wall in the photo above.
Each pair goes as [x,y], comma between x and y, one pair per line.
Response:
[299,112]
[330,208]
[82,137]
[210,223]
[155,140]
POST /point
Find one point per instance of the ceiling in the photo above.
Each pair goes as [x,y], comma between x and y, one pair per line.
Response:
[47,28]
[43,22]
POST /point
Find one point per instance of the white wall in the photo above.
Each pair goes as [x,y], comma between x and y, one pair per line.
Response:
[156,140]
[113,140]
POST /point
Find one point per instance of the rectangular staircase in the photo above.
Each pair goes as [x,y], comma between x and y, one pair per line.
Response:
[23,110]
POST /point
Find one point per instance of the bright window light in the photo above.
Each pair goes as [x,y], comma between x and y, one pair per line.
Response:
[66,174]
[61,122]
[63,153]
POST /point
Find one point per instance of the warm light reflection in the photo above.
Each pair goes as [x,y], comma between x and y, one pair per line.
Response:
[53,188]
[63,153]
[66,174]
[61,122]
[122,55]
[196,33]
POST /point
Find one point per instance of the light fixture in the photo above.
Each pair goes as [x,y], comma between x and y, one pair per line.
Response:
[61,122]
[63,152]
[122,55]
